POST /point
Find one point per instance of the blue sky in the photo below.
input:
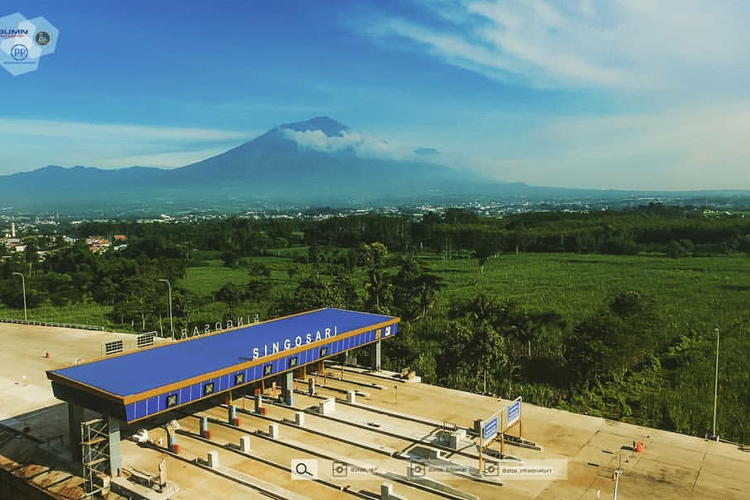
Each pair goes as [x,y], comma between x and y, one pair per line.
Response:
[612,94]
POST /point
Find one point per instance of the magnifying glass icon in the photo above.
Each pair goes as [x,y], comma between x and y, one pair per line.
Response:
[301,468]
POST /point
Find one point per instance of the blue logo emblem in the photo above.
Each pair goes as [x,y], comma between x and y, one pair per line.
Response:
[19,52]
[25,42]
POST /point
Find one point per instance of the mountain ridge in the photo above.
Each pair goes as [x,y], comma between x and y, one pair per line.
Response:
[316,161]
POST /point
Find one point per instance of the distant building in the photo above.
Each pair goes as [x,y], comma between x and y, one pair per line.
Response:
[120,238]
[11,242]
[97,244]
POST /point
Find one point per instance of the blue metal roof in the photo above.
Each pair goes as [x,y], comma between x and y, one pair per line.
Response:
[144,370]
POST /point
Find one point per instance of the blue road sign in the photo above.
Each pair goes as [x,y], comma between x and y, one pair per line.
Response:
[514,412]
[490,428]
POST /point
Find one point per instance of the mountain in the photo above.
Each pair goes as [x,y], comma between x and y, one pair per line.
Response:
[315,162]
[318,161]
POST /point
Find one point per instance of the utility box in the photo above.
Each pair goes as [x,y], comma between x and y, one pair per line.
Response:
[351,397]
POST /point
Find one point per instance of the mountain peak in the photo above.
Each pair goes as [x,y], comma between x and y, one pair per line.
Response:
[328,126]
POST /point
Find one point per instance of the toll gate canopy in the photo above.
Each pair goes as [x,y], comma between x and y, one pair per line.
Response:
[143,383]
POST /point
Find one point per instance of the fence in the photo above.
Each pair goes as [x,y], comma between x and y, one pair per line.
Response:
[49,323]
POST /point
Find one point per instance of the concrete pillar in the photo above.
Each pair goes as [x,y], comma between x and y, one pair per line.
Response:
[327,407]
[456,438]
[75,417]
[375,356]
[287,388]
[115,459]
[273,431]
[245,444]
[299,419]
[213,459]
[386,490]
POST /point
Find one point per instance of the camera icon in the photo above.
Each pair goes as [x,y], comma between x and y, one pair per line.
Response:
[416,470]
[339,469]
[491,469]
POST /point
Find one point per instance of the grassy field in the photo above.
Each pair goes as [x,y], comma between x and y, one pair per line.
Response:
[691,293]
[696,293]
[92,314]
[208,279]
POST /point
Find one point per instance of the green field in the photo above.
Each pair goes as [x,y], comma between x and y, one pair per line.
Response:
[91,314]
[694,293]
[209,278]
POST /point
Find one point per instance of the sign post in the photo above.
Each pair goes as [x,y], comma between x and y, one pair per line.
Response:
[495,427]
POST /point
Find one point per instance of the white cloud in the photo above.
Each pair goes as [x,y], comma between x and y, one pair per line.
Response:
[165,160]
[107,145]
[360,144]
[620,44]
[691,147]
[95,131]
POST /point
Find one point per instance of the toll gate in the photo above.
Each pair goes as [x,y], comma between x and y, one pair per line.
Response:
[133,386]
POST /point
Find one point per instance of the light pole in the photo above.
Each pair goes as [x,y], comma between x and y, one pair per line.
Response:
[618,472]
[716,384]
[23,286]
[171,322]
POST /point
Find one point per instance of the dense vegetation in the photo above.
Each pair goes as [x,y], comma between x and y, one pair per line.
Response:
[609,313]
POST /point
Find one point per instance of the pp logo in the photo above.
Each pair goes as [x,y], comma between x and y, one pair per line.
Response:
[19,52]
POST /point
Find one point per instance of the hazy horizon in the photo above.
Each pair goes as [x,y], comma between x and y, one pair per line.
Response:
[575,94]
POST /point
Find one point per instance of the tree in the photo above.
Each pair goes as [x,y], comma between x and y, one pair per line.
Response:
[379,291]
[484,248]
[259,270]
[415,290]
[378,286]
[607,344]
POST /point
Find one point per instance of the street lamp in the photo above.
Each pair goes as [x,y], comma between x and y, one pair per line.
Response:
[171,322]
[716,384]
[23,285]
[618,473]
